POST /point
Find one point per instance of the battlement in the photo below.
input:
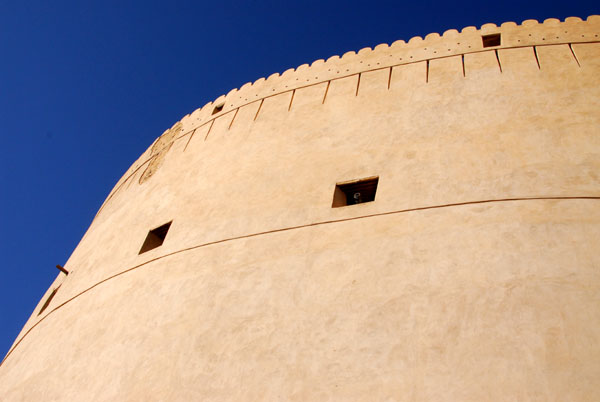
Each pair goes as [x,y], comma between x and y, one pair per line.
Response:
[426,59]
[433,46]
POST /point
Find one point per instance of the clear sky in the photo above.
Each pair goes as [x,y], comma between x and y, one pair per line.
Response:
[86,86]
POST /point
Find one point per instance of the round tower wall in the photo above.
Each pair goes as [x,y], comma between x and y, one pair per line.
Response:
[472,276]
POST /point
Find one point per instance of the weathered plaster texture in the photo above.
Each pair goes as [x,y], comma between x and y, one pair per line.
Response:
[474,275]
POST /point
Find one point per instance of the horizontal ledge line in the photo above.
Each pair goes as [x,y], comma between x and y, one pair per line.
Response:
[456,204]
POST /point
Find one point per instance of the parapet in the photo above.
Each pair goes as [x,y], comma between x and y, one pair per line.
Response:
[470,40]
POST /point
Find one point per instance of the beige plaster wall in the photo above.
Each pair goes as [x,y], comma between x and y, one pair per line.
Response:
[473,275]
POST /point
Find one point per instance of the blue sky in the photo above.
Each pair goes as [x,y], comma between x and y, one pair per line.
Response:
[85,87]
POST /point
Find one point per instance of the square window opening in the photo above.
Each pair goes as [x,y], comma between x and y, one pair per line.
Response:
[155,238]
[355,192]
[218,108]
[491,40]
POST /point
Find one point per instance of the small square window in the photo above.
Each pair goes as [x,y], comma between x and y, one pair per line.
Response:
[491,40]
[218,108]
[155,238]
[355,192]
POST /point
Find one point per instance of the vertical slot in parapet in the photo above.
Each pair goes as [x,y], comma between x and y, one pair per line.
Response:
[189,139]
[326,90]
[498,59]
[233,118]
[209,128]
[259,107]
[574,55]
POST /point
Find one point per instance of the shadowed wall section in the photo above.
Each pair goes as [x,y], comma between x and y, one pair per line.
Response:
[472,276]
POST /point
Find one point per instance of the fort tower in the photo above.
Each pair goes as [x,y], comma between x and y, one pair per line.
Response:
[419,221]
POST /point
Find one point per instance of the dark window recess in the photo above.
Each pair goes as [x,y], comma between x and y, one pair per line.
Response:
[491,40]
[218,108]
[355,192]
[48,300]
[155,237]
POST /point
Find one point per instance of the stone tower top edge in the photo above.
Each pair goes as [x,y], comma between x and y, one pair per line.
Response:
[383,56]
[452,42]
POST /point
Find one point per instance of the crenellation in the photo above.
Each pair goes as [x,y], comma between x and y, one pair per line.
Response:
[205,112]
[364,51]
[273,77]
[530,23]
[397,44]
[244,93]
[488,28]
[430,50]
[349,54]
[196,115]
[245,86]
[432,37]
[450,33]
[469,30]
[552,22]
[231,94]
[317,64]
[575,20]
[271,85]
